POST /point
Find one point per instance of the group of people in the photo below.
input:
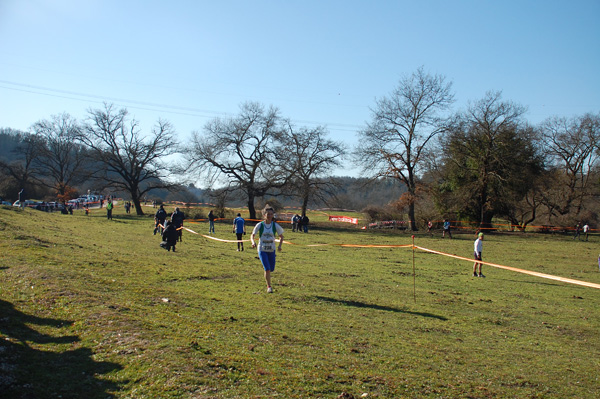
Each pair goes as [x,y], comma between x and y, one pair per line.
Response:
[300,223]
[268,230]
[578,229]
[477,245]
[170,230]
[446,228]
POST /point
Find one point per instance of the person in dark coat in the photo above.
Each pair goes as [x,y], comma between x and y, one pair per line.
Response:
[299,224]
[305,221]
[177,219]
[159,219]
[211,222]
[169,236]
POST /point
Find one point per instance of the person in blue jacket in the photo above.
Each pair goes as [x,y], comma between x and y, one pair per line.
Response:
[239,228]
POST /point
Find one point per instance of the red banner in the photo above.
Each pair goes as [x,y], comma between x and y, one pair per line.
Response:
[345,219]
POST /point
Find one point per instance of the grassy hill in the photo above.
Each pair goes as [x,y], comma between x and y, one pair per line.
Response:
[91,308]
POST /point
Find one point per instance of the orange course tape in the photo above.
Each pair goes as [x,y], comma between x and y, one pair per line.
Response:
[514,269]
[361,246]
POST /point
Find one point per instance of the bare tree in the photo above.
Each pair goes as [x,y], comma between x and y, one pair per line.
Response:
[403,124]
[22,170]
[521,213]
[572,147]
[311,156]
[242,151]
[127,159]
[61,160]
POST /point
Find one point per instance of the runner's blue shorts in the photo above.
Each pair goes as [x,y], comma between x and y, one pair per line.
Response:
[268,260]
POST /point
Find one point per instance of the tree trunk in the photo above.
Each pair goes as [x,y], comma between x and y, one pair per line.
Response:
[411,216]
[135,198]
[251,209]
[304,205]
[411,185]
[138,206]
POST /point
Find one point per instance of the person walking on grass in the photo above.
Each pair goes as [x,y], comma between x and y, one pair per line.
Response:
[159,219]
[109,208]
[239,228]
[266,231]
[586,230]
[177,218]
[478,245]
[447,227]
[169,236]
[211,222]
[577,231]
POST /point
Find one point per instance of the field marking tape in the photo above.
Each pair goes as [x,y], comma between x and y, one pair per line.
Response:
[221,240]
[190,230]
[361,245]
[514,269]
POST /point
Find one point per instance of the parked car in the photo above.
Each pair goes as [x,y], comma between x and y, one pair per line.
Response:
[29,203]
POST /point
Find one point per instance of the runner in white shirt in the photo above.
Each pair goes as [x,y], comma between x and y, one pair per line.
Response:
[477,246]
[266,231]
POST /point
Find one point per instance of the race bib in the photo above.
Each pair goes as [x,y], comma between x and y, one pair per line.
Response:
[267,242]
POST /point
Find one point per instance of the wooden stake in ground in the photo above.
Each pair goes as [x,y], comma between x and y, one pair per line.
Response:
[414,274]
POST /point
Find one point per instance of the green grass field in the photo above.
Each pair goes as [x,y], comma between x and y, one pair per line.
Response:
[91,308]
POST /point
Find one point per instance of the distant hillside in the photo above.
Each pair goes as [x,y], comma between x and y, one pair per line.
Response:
[352,193]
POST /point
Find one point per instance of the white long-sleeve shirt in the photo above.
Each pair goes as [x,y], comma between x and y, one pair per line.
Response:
[478,245]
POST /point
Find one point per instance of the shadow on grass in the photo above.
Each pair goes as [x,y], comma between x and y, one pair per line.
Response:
[40,373]
[377,307]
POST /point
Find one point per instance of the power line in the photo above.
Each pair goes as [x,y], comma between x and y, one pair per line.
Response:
[143,105]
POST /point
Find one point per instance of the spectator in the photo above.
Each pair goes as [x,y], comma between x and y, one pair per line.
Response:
[169,236]
[446,229]
[159,220]
[477,253]
[109,208]
[295,220]
[211,222]
[305,221]
[177,218]
[586,230]
[577,231]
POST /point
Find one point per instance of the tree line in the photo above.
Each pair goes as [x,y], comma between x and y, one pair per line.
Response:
[483,162]
[477,164]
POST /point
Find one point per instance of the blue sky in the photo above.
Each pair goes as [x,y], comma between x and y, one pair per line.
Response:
[320,62]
